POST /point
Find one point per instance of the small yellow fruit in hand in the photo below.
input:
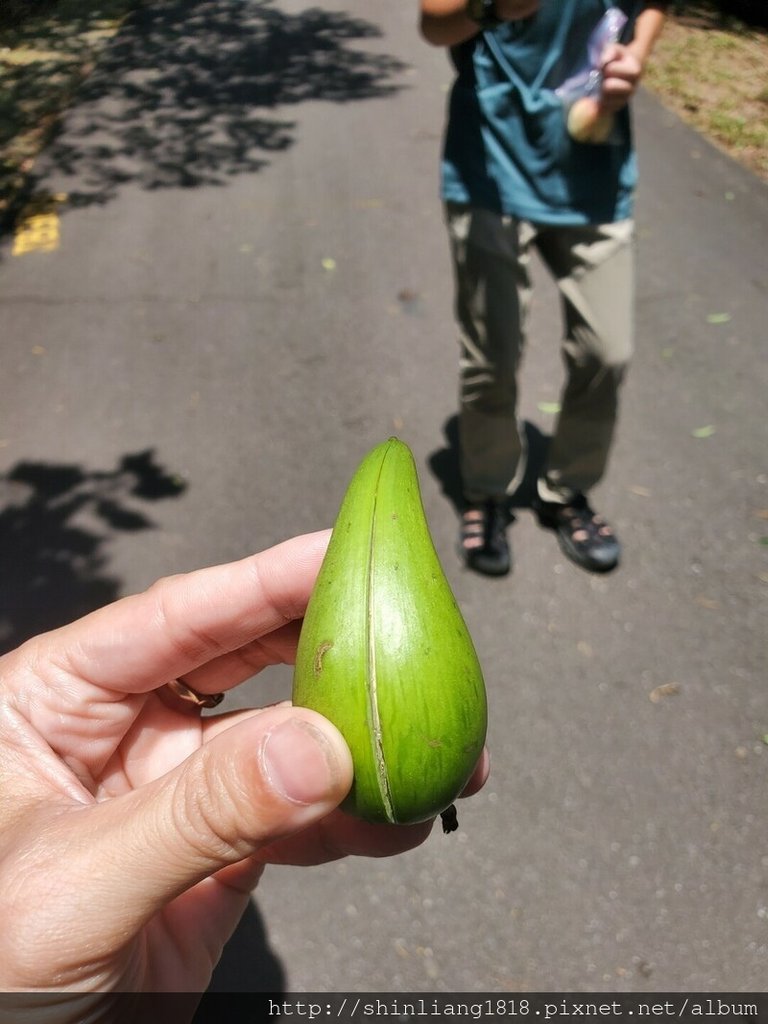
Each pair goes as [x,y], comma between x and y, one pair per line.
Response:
[587,122]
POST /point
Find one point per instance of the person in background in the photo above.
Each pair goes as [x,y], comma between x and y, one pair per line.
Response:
[132,827]
[515,178]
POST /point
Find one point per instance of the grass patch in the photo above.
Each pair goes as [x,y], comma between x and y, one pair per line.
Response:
[713,72]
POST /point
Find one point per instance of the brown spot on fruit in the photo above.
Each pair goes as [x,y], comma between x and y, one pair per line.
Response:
[320,653]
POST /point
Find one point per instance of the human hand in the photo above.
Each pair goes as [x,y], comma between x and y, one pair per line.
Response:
[621,69]
[132,830]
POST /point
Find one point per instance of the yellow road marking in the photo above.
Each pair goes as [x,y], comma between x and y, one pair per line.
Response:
[23,55]
[38,233]
[37,228]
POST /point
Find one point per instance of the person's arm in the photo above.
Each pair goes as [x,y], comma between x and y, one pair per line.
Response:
[623,64]
[446,22]
[648,28]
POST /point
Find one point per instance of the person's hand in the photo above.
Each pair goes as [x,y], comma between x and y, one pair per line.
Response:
[133,829]
[621,69]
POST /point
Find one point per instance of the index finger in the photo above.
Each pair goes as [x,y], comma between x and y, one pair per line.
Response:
[611,52]
[182,622]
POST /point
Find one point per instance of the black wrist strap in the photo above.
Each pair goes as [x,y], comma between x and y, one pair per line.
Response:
[483,13]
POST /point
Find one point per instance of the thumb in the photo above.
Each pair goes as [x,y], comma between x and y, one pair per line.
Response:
[267,776]
[610,52]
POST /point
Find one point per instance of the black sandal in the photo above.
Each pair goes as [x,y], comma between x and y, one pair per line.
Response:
[482,539]
[584,536]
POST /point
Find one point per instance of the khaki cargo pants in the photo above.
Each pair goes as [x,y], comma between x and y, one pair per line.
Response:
[593,266]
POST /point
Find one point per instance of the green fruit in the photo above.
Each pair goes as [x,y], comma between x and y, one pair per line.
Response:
[385,654]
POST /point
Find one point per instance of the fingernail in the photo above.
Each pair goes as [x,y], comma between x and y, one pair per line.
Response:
[299,762]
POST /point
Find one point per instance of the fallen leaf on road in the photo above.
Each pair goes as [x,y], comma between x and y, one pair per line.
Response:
[641,492]
[718,318]
[328,263]
[551,408]
[760,513]
[665,690]
[410,300]
[702,432]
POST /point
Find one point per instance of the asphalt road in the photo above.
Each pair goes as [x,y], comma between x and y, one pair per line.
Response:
[242,284]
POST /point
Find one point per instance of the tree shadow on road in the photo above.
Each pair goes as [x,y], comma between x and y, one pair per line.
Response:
[193,92]
[56,521]
[55,525]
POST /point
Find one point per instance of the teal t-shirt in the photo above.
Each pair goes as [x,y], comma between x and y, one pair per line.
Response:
[507,148]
